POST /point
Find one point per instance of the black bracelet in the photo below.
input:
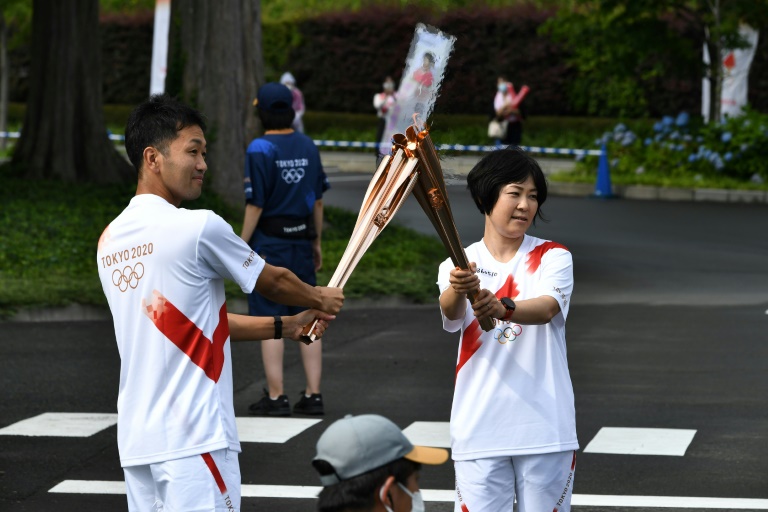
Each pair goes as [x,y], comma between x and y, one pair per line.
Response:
[278,327]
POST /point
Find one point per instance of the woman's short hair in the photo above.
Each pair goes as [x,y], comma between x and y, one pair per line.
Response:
[500,168]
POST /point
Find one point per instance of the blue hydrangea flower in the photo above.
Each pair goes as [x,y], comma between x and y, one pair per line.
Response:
[682,119]
[648,141]
[628,139]
[726,137]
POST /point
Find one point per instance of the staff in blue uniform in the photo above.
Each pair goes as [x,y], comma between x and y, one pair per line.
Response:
[284,183]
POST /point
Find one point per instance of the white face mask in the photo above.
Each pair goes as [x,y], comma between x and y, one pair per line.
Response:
[417,502]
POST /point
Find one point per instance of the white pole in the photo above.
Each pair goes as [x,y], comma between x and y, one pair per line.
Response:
[160,46]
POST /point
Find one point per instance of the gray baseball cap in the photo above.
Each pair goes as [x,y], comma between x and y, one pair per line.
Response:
[358,444]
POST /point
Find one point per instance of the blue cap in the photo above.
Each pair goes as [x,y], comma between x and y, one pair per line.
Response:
[274,97]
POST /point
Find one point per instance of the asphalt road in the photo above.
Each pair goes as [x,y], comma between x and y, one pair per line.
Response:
[667,330]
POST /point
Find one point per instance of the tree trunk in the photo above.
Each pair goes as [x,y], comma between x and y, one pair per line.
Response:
[715,45]
[64,135]
[3,80]
[222,68]
[715,81]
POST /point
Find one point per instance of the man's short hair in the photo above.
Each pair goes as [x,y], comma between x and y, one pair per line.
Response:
[500,168]
[274,106]
[156,123]
[359,492]
[276,120]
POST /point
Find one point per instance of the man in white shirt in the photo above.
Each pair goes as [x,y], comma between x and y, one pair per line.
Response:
[513,422]
[162,269]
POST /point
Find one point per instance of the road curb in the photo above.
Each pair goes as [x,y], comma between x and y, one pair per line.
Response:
[650,193]
[88,313]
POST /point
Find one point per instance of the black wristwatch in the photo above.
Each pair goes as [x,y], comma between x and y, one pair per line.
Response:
[509,304]
[278,327]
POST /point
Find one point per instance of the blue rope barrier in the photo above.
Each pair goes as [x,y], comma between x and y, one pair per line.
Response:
[16,135]
[374,145]
[462,147]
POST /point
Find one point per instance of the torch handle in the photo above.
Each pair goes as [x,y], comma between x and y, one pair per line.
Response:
[486,323]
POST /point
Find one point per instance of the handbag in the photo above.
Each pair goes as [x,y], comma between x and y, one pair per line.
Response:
[497,129]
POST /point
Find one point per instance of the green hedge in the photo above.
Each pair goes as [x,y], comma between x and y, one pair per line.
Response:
[340,59]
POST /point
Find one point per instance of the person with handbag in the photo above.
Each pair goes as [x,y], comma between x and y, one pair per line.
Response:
[506,124]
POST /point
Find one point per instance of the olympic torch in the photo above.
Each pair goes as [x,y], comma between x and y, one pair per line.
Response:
[431,194]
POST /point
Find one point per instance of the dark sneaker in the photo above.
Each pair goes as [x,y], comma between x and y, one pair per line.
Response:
[312,405]
[269,407]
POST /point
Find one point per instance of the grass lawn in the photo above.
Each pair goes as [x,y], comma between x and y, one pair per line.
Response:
[49,230]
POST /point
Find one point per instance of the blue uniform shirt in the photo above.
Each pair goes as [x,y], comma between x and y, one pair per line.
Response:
[284,177]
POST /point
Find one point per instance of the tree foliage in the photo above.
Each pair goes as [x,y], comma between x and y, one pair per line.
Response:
[618,44]
[281,10]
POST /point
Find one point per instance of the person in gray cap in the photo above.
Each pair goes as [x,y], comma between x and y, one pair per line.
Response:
[366,464]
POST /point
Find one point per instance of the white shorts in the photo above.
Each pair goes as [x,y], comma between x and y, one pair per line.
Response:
[209,482]
[541,482]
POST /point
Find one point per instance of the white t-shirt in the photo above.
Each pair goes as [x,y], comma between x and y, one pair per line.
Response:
[162,270]
[513,393]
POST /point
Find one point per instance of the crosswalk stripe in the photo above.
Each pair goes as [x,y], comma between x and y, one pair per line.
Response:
[598,500]
[75,424]
[429,433]
[61,424]
[610,440]
[439,495]
[641,441]
[271,430]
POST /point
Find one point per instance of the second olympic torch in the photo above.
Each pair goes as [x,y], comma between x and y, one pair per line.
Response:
[412,164]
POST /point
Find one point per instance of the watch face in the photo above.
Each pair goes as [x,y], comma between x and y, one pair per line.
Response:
[508,303]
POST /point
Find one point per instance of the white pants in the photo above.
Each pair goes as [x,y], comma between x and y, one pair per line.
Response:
[540,482]
[202,483]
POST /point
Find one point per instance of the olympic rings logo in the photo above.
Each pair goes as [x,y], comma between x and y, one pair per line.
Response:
[509,333]
[128,277]
[293,175]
